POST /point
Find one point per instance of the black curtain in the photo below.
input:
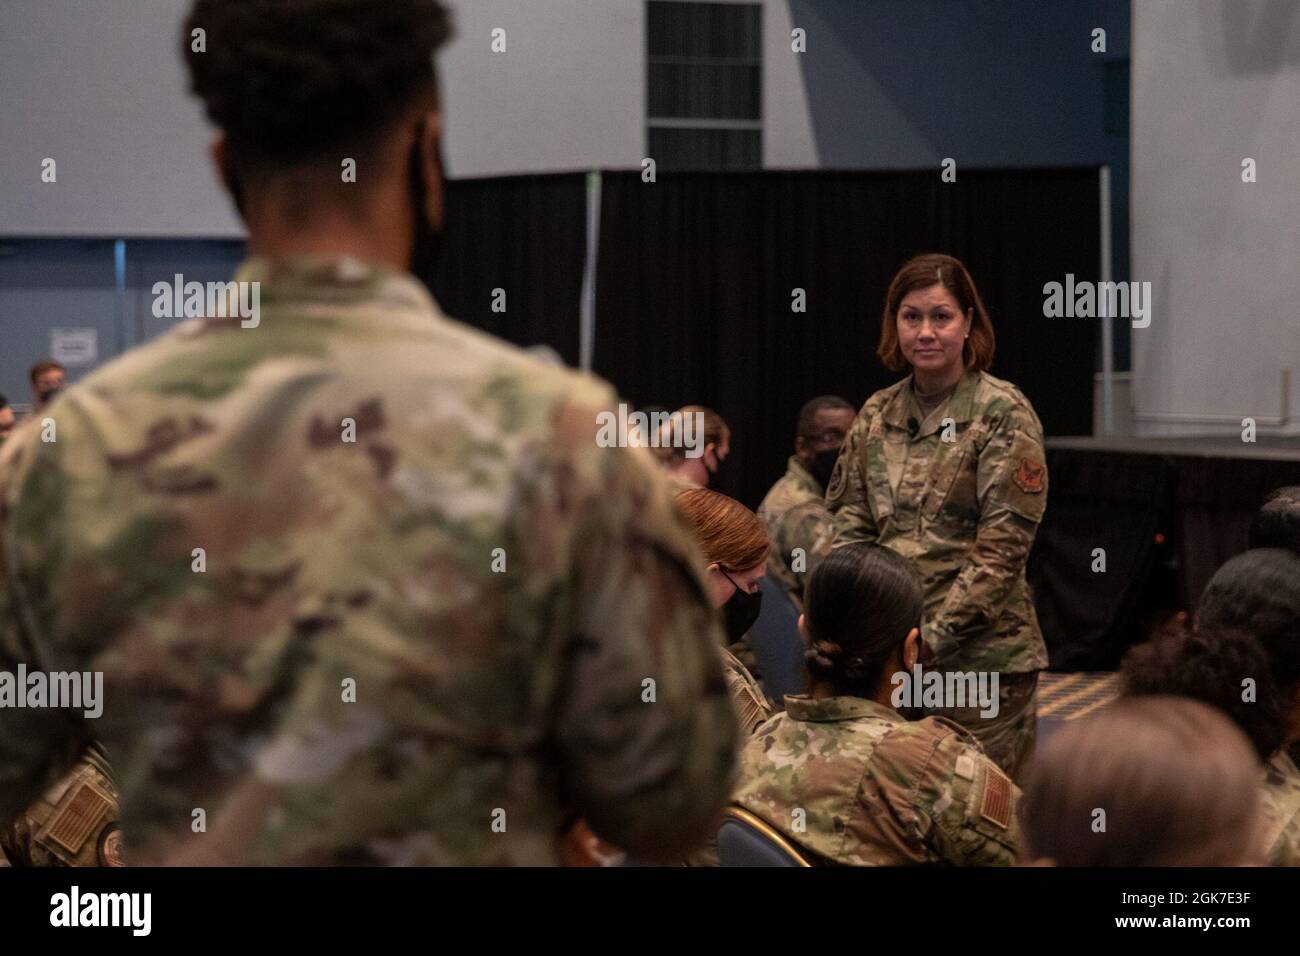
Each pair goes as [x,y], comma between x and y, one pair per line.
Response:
[696,273]
[526,235]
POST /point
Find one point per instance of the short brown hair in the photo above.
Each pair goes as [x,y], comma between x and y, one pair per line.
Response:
[40,368]
[1178,782]
[729,533]
[921,272]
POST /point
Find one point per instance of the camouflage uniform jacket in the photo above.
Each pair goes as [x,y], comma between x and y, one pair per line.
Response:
[752,705]
[794,512]
[876,789]
[363,588]
[1281,810]
[965,513]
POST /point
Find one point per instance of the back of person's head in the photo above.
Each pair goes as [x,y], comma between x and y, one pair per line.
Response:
[1227,669]
[1258,592]
[296,83]
[729,534]
[859,605]
[1277,522]
[691,428]
[1146,781]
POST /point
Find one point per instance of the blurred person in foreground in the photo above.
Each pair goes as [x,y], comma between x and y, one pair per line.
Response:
[1244,659]
[1145,781]
[362,585]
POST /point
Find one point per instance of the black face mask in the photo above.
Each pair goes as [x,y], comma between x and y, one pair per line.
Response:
[822,465]
[49,394]
[741,611]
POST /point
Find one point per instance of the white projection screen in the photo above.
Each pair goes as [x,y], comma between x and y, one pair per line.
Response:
[1216,83]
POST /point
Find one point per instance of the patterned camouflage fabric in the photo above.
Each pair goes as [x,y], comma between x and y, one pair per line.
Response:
[348,679]
[965,513]
[1281,810]
[73,823]
[795,515]
[752,705]
[878,790]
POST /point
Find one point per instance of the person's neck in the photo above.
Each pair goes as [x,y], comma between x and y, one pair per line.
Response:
[693,470]
[379,247]
[934,384]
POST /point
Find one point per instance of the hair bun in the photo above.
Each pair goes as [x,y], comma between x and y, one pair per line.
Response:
[823,658]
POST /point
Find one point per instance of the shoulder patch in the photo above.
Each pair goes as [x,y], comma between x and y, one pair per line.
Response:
[1029,476]
[995,806]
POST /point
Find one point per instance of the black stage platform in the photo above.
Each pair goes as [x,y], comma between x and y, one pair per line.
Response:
[1166,512]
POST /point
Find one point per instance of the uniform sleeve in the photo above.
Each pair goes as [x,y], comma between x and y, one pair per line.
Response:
[1012,487]
[846,495]
[646,728]
[963,805]
[36,743]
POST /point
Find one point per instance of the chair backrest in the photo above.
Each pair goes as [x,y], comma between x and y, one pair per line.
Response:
[747,840]
[777,644]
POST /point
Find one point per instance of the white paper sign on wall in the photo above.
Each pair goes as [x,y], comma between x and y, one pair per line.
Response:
[75,348]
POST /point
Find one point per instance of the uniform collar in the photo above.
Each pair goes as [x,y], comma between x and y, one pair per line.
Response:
[312,278]
[960,404]
[803,707]
[1282,763]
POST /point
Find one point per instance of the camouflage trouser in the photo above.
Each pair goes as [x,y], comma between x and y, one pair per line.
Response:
[1008,738]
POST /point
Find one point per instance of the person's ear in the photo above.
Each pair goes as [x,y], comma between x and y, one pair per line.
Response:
[911,649]
[431,168]
[803,632]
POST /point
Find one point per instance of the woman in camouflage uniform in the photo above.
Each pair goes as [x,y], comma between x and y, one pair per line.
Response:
[947,468]
[842,773]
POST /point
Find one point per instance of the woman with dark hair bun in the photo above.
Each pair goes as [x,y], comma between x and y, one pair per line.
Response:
[842,773]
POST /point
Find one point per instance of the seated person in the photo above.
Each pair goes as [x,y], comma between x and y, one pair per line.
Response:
[794,510]
[735,550]
[1244,659]
[692,445]
[1146,781]
[844,775]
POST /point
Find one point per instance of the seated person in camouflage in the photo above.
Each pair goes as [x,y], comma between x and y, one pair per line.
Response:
[1146,781]
[842,773]
[734,546]
[794,510]
[1247,629]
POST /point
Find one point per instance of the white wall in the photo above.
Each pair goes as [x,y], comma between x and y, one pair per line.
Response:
[1216,81]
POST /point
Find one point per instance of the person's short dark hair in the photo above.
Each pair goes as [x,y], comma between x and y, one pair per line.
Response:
[807,427]
[4,401]
[1277,522]
[1212,666]
[1258,592]
[859,605]
[41,367]
[290,81]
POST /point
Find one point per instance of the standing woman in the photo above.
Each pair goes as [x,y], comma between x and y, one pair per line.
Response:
[946,467]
